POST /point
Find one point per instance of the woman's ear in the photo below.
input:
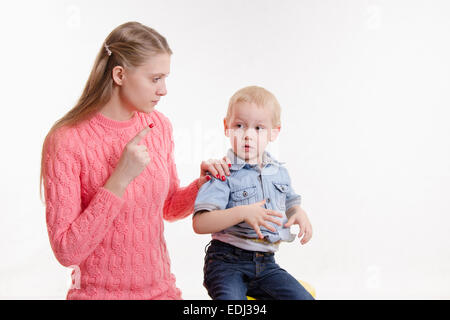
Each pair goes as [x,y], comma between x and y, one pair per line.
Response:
[117,75]
[274,133]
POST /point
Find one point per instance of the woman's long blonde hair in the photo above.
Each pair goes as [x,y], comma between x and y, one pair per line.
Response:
[128,45]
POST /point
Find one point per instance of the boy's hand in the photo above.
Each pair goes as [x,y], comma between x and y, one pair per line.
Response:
[255,216]
[300,218]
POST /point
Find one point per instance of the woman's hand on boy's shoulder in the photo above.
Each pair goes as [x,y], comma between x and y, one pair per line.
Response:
[214,168]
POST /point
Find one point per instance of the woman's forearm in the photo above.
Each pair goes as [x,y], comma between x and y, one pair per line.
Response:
[116,184]
[180,200]
[74,234]
[216,220]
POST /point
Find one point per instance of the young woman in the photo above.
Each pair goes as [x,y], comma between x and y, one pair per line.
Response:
[109,174]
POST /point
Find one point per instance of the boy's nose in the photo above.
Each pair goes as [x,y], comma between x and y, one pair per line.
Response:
[250,134]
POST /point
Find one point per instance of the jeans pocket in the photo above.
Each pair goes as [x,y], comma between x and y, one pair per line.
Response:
[220,257]
[215,263]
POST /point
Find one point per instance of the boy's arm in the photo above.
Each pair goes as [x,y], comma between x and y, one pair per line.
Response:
[296,215]
[293,200]
[212,215]
[210,208]
[253,214]
[217,220]
[293,210]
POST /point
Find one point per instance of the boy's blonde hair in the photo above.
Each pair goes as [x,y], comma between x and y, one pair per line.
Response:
[261,97]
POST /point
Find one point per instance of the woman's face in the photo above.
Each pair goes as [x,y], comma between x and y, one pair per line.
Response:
[142,87]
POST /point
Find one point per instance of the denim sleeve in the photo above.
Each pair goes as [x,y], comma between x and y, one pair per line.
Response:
[212,195]
[292,198]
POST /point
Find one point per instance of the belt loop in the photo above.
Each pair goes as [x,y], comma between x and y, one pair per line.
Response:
[207,246]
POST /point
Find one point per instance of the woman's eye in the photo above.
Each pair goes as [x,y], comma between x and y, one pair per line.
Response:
[239,125]
[156,79]
[258,128]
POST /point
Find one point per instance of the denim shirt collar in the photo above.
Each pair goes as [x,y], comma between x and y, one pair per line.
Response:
[237,163]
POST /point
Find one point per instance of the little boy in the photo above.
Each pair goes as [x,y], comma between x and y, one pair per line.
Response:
[250,213]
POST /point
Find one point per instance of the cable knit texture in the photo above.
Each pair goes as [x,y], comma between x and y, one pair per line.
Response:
[116,245]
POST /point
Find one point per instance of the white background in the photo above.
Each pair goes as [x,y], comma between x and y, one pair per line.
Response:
[364,92]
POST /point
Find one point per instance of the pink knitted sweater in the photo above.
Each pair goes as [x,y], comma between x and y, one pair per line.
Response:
[116,245]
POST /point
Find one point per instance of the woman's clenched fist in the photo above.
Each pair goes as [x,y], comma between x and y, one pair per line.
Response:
[132,162]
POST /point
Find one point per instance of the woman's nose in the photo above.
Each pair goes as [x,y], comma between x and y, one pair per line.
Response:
[162,90]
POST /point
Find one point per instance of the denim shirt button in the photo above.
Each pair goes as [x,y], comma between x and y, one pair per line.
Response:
[244,193]
[268,200]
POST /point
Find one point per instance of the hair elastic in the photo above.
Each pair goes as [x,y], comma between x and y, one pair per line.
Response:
[108,51]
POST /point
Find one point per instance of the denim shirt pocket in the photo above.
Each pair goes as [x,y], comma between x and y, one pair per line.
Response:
[281,190]
[243,196]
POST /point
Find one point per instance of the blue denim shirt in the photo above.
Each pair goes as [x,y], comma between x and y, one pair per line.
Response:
[248,184]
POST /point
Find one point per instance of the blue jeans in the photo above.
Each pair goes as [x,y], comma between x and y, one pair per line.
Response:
[231,273]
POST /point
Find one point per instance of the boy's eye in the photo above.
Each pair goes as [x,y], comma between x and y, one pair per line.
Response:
[239,125]
[259,128]
[156,79]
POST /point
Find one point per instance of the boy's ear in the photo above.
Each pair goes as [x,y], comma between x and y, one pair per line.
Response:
[225,127]
[274,133]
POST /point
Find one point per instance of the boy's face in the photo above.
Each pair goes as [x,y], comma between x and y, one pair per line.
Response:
[250,129]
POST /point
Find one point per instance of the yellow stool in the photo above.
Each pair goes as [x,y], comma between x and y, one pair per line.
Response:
[305,285]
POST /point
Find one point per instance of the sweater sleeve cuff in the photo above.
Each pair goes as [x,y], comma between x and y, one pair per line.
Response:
[193,189]
[196,184]
[108,198]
